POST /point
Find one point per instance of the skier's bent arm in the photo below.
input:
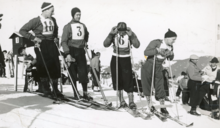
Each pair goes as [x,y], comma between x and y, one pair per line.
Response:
[134,40]
[86,38]
[64,41]
[24,31]
[108,41]
[151,49]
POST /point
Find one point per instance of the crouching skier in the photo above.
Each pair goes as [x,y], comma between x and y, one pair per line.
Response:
[74,39]
[162,50]
[122,38]
[46,35]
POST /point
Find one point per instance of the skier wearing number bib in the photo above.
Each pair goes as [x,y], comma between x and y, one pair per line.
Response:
[45,36]
[162,50]
[122,38]
[74,40]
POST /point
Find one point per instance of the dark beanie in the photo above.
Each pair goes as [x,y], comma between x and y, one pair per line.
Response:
[170,34]
[74,11]
[183,73]
[46,6]
[122,26]
[214,60]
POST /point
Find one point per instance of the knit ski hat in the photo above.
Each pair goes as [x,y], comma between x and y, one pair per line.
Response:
[46,6]
[74,11]
[170,34]
[194,57]
[183,73]
[214,60]
[122,26]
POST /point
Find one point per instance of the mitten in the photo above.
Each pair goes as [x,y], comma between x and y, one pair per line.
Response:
[114,30]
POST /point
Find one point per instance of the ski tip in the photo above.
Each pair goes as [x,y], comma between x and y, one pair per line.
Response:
[56,102]
[189,125]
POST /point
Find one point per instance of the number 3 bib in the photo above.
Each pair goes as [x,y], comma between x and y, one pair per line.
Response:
[78,31]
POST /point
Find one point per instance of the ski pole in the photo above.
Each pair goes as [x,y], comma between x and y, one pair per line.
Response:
[152,82]
[72,84]
[61,82]
[132,61]
[97,80]
[117,72]
[173,89]
[50,81]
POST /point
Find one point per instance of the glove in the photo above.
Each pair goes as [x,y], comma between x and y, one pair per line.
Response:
[56,40]
[86,46]
[69,59]
[37,41]
[168,53]
[114,30]
[162,52]
[129,32]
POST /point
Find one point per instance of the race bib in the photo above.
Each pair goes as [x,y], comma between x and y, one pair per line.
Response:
[48,26]
[122,42]
[78,31]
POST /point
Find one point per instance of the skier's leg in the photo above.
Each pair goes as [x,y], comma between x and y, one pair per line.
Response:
[45,86]
[146,79]
[123,104]
[159,88]
[126,79]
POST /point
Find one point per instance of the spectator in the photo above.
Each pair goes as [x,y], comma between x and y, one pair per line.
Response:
[95,64]
[5,61]
[195,79]
[183,85]
[2,62]
[179,90]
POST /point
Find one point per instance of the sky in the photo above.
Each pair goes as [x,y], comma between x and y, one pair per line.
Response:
[194,21]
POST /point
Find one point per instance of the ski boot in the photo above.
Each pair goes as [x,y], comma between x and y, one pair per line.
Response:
[215,115]
[132,106]
[123,104]
[87,96]
[163,110]
[148,109]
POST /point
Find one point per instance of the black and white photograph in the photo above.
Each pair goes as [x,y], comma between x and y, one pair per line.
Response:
[109,63]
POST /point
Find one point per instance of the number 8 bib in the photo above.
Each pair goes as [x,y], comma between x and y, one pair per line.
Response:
[78,31]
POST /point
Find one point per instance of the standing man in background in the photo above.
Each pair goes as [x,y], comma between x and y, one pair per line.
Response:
[194,83]
[95,64]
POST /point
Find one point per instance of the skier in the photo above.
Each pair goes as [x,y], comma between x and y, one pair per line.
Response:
[45,36]
[74,39]
[161,50]
[122,38]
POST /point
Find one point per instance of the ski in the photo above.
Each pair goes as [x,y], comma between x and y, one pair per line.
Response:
[179,122]
[136,113]
[97,104]
[144,116]
[62,100]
